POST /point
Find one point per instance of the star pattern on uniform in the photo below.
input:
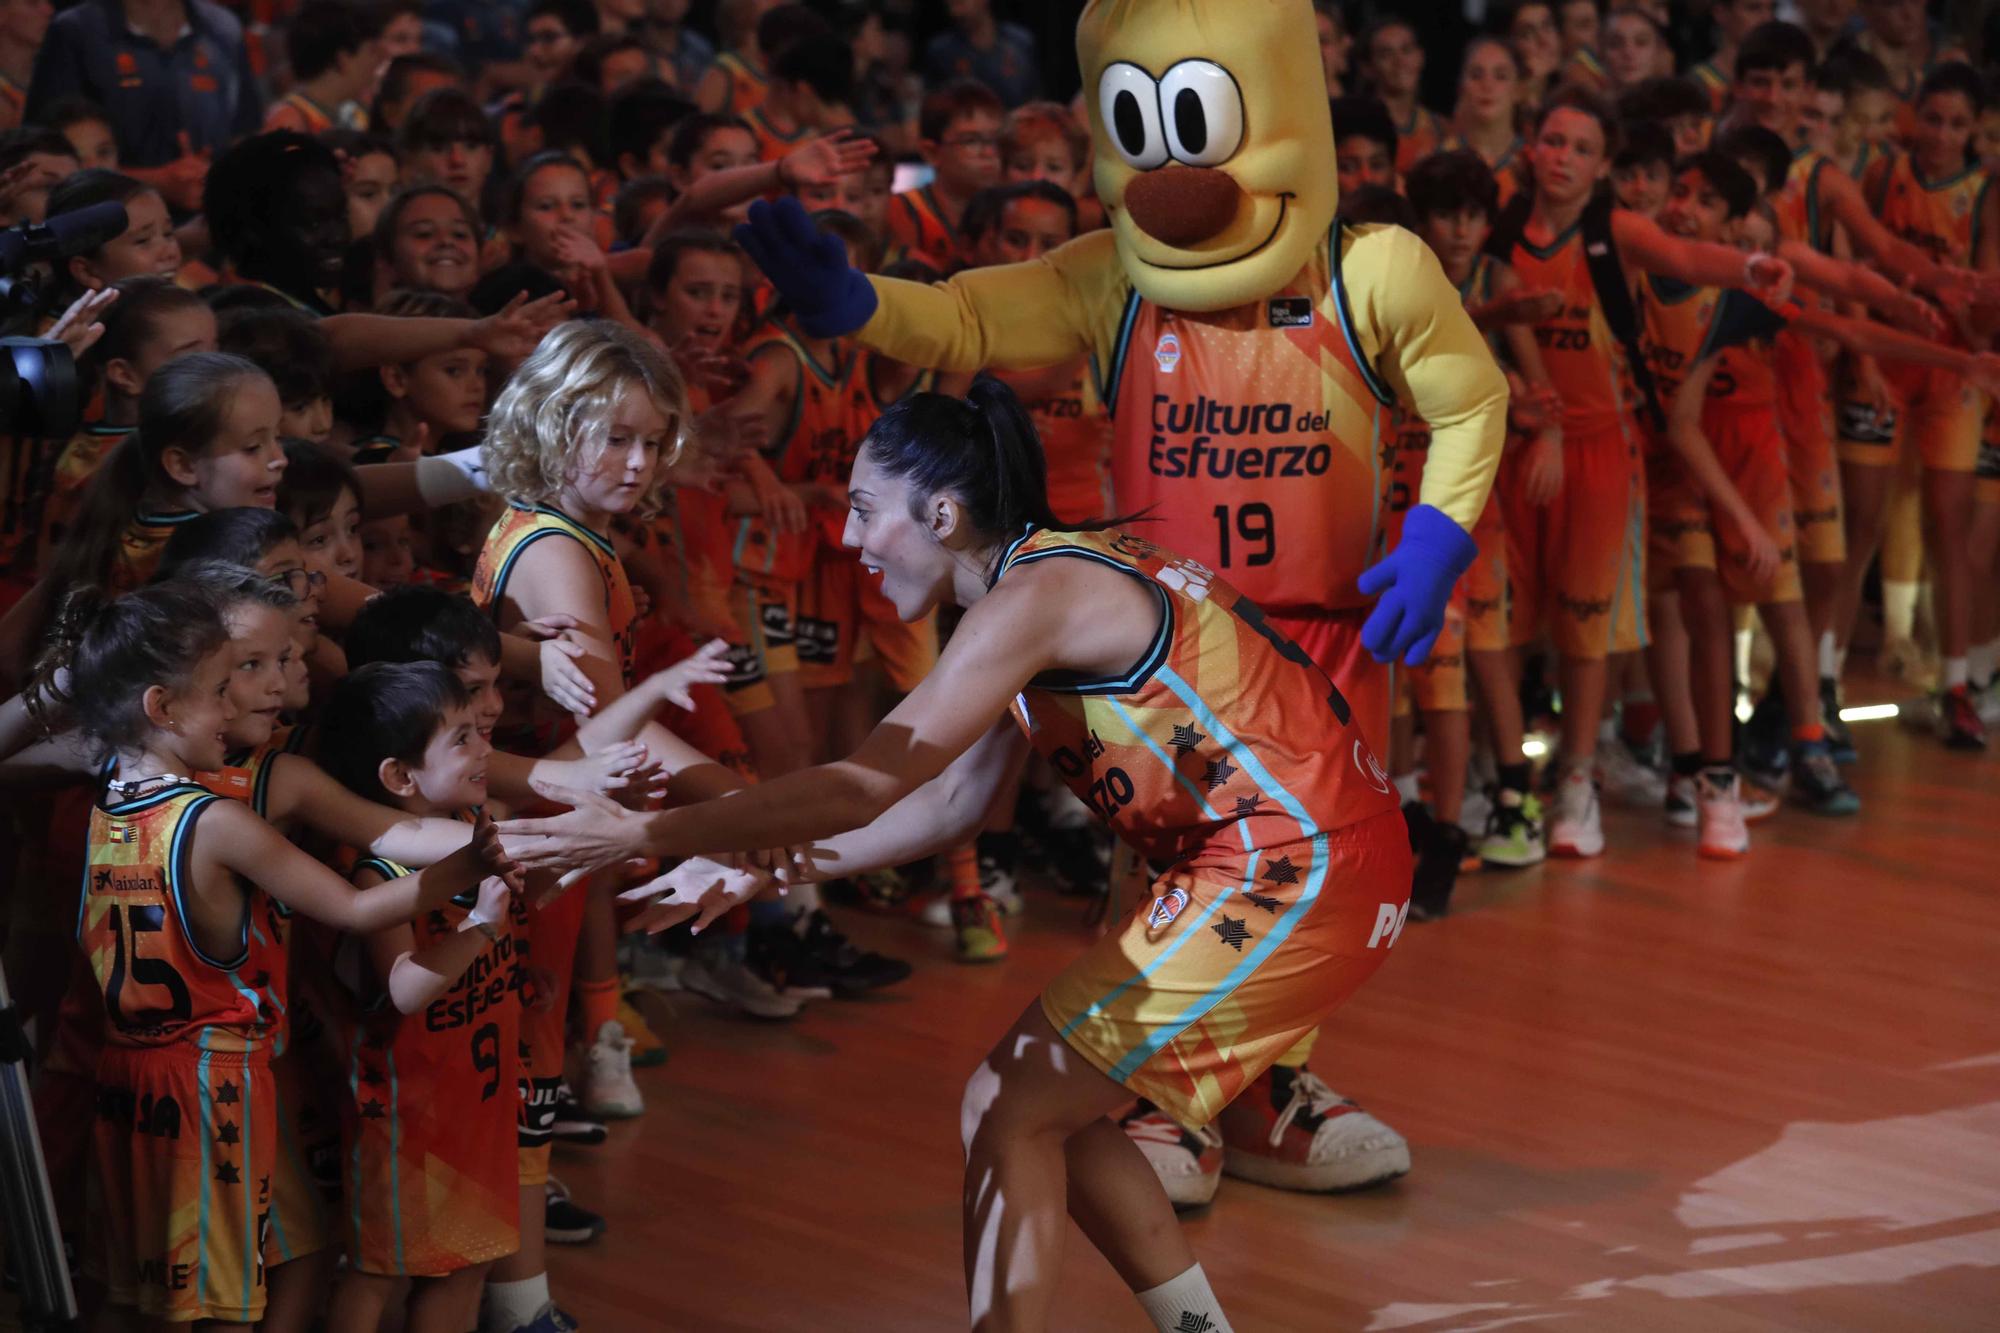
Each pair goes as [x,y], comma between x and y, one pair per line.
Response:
[227,1136]
[1282,871]
[1264,901]
[1232,932]
[226,1174]
[372,1109]
[1246,806]
[226,1094]
[1218,772]
[1186,738]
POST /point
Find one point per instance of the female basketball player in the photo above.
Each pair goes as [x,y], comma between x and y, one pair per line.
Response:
[1203,737]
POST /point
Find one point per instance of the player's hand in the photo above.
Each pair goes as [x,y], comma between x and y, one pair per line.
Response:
[491,905]
[1413,583]
[595,832]
[1869,387]
[492,853]
[1761,553]
[563,680]
[1542,469]
[515,329]
[808,267]
[707,665]
[696,888]
[1768,278]
[80,326]
[826,159]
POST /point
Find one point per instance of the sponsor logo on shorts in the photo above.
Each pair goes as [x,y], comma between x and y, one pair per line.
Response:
[1584,608]
[1388,924]
[1167,353]
[1370,768]
[1166,909]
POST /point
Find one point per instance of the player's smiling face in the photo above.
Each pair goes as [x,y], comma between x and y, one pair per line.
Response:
[452,775]
[895,544]
[1209,161]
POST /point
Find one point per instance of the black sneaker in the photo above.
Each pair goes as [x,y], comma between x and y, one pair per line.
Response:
[573,1124]
[848,971]
[1959,721]
[1765,742]
[1838,738]
[565,1222]
[781,958]
[1438,860]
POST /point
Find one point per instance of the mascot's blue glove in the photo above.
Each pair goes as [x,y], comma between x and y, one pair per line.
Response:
[808,267]
[1415,581]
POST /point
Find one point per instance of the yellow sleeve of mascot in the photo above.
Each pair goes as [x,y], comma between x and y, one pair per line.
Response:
[1415,330]
[1012,317]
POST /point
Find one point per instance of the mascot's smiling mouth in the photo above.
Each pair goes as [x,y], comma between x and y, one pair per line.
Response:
[1284,203]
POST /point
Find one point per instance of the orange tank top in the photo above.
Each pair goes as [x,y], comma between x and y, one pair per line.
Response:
[1585,361]
[1685,324]
[1075,432]
[159,988]
[917,228]
[520,527]
[1257,437]
[1224,749]
[1941,218]
[747,88]
[140,547]
[831,412]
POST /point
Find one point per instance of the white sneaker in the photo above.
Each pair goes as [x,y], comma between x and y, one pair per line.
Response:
[1578,828]
[1724,835]
[1187,1161]
[607,1090]
[728,981]
[1680,802]
[647,966]
[1625,779]
[1476,810]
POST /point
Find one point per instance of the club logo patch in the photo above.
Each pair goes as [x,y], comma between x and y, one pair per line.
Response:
[1166,908]
[1167,353]
[1370,768]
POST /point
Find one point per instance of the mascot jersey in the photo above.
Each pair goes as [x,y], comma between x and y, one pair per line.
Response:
[1247,346]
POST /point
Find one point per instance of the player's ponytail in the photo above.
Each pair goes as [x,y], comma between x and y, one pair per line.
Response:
[103,655]
[981,448]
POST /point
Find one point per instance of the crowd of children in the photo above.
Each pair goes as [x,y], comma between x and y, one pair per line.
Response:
[444,456]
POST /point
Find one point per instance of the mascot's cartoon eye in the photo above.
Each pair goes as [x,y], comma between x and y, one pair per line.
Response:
[1204,113]
[1129,101]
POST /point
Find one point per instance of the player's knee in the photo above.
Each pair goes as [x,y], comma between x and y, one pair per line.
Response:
[977,1104]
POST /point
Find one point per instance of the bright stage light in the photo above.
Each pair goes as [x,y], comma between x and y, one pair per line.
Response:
[1869,713]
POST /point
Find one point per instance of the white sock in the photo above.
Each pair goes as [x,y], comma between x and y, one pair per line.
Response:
[505,1306]
[1746,647]
[1899,610]
[1956,672]
[1406,787]
[1829,657]
[1983,661]
[1184,1305]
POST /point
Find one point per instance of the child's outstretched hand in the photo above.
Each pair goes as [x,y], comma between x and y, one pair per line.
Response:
[826,159]
[486,845]
[512,331]
[79,328]
[707,665]
[491,907]
[563,680]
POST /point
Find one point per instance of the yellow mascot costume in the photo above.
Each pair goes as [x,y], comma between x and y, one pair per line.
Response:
[1250,349]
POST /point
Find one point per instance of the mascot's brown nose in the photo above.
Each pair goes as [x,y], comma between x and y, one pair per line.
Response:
[1183,206]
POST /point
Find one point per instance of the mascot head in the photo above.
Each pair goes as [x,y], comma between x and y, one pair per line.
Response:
[1214,143]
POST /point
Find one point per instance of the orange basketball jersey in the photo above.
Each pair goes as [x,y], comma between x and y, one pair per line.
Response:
[1941,218]
[1684,324]
[524,525]
[431,1177]
[747,88]
[1075,432]
[1585,361]
[159,988]
[831,412]
[1223,743]
[139,549]
[772,143]
[1257,437]
[917,228]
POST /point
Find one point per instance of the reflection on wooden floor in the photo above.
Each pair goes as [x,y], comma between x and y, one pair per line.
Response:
[1642,1093]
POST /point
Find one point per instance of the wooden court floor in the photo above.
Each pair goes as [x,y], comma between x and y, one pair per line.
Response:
[1641,1093]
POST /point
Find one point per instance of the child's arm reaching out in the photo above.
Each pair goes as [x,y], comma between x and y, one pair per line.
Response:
[414,977]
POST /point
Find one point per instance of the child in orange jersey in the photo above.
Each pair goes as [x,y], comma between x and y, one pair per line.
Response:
[1931,198]
[428,1167]
[334,59]
[1488,114]
[740,77]
[960,126]
[1393,57]
[192,1024]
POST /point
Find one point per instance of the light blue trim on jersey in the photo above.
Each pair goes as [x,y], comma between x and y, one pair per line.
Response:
[253,1249]
[1108,385]
[1282,928]
[289,1147]
[177,858]
[1188,931]
[1156,653]
[204,1124]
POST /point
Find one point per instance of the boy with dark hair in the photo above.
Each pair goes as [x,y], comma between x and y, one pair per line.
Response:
[1364,143]
[50,158]
[812,85]
[1581,24]
[290,347]
[1772,68]
[1678,104]
[1643,171]
[641,121]
[1395,70]
[959,132]
[406,79]
[332,48]
[1733,21]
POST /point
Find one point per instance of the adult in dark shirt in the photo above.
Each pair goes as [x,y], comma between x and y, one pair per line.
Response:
[978,46]
[173,77]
